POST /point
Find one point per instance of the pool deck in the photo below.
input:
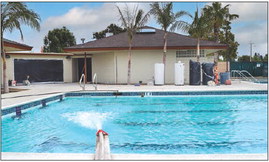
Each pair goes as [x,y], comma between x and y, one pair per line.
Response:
[39,91]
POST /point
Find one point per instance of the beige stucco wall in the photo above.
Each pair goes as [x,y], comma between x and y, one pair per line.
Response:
[67,65]
[143,65]
[111,67]
[103,64]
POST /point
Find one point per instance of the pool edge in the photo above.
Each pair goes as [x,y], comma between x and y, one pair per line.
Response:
[84,156]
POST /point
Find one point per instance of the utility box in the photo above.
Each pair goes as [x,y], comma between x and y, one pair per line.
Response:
[159,74]
[179,73]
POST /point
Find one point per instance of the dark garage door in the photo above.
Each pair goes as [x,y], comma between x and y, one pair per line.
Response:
[38,70]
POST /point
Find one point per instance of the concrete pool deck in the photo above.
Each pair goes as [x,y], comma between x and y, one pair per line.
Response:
[39,91]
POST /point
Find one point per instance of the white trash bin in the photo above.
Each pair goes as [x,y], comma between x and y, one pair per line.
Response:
[159,74]
[179,73]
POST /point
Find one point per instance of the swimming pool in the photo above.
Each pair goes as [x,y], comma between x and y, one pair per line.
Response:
[204,124]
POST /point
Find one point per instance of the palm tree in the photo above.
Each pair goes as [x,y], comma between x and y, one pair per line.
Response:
[163,13]
[13,15]
[132,21]
[199,29]
[218,16]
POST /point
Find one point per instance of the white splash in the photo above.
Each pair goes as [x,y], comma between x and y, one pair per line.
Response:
[92,120]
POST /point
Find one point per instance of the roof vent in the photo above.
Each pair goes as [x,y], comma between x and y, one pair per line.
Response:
[109,34]
[146,31]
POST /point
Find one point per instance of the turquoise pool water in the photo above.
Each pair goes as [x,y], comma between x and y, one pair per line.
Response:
[152,125]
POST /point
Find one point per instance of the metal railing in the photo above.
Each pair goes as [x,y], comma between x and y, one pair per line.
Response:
[94,81]
[244,75]
[80,82]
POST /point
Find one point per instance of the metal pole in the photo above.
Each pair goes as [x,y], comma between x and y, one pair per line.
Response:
[85,68]
[250,51]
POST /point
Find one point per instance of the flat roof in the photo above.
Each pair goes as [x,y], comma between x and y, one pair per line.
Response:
[40,54]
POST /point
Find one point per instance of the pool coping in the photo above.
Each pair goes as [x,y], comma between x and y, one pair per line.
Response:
[85,156]
[60,96]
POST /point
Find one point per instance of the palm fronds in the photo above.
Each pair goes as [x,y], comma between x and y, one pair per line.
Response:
[14,14]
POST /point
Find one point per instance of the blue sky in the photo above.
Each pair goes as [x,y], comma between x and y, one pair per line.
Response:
[84,18]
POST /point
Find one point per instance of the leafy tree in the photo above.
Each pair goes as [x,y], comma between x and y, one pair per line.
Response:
[217,17]
[244,58]
[13,15]
[58,39]
[265,58]
[112,28]
[163,13]
[229,39]
[132,20]
[257,57]
[99,35]
[199,29]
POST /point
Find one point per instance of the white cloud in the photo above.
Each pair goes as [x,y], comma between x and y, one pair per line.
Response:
[249,11]
[81,21]
[251,26]
[252,32]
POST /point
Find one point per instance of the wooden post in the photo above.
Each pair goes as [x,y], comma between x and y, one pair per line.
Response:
[102,150]
[85,68]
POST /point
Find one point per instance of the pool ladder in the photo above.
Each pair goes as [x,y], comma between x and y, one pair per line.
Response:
[94,83]
[80,82]
[244,75]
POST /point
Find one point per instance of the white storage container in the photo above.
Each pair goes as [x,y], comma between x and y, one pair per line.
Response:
[179,73]
[159,74]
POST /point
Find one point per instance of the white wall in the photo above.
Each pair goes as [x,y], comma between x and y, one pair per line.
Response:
[67,70]
[142,67]
[103,64]
[75,70]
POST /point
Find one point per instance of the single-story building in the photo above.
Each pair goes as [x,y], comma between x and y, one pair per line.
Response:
[108,56]
[41,67]
[12,46]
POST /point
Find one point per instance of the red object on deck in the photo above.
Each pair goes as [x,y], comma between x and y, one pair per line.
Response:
[100,130]
[228,82]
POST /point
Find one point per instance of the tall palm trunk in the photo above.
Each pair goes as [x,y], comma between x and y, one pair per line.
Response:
[198,50]
[3,54]
[216,54]
[164,51]
[164,47]
[129,63]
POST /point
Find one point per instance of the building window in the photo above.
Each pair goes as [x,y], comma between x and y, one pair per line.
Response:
[189,53]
